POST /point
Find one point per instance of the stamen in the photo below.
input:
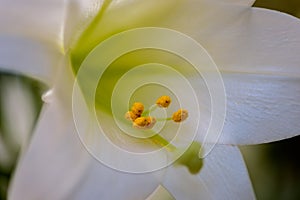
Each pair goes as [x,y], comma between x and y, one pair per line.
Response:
[137,108]
[141,120]
[180,115]
[162,142]
[131,116]
[164,119]
[144,123]
[146,112]
[163,101]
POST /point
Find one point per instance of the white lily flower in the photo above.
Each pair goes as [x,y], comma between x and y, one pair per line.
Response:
[255,50]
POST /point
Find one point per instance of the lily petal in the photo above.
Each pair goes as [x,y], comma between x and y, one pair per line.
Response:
[35,19]
[191,17]
[58,153]
[102,182]
[261,108]
[28,57]
[239,2]
[253,45]
[78,15]
[260,41]
[52,26]
[261,75]
[240,38]
[160,193]
[54,152]
[223,176]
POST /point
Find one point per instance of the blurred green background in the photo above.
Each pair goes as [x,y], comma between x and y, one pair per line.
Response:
[274,168]
[288,6]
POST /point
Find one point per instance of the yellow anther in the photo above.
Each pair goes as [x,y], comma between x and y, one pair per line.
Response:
[144,122]
[163,101]
[150,122]
[180,115]
[141,121]
[137,108]
[131,116]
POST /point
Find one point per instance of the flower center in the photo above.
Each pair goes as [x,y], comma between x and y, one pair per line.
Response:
[143,121]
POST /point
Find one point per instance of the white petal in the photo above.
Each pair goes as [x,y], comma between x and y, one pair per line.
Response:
[78,14]
[239,38]
[260,41]
[188,16]
[223,176]
[252,41]
[35,19]
[160,193]
[101,182]
[36,51]
[55,159]
[261,75]
[28,57]
[261,108]
[239,2]
[31,41]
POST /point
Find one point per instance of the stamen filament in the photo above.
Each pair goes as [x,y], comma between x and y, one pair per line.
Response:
[164,119]
[146,113]
[142,120]
[189,158]
[159,140]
